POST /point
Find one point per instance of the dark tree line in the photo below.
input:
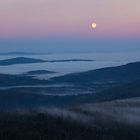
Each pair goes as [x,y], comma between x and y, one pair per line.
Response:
[45,127]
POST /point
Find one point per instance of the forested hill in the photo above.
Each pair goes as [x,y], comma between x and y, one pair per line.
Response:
[125,73]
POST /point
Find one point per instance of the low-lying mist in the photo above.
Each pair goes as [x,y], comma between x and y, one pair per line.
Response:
[125,112]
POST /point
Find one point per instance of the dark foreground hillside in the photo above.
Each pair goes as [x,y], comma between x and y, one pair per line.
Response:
[45,127]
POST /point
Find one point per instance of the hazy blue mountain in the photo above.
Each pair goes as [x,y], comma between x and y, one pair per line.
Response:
[127,78]
[100,78]
[25,60]
[39,72]
[19,53]
[20,60]
[111,75]
[70,60]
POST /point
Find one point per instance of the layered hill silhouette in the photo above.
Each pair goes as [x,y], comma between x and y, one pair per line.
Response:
[20,60]
[115,75]
[105,76]
[25,60]
[127,78]
[39,72]
[24,98]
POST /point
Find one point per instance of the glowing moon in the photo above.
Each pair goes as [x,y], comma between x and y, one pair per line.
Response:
[94,25]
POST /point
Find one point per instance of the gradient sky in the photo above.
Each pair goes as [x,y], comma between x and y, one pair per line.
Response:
[69,19]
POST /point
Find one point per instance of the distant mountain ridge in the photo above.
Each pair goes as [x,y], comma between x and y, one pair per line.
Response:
[26,60]
[20,60]
[127,78]
[119,74]
[19,53]
[95,78]
[39,72]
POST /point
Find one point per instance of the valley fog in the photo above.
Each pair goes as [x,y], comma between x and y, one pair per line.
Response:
[100,60]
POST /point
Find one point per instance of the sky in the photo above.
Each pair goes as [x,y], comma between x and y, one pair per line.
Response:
[67,24]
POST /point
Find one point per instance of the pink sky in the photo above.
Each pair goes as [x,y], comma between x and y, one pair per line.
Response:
[45,18]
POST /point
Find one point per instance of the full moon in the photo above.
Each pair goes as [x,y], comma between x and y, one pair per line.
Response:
[94,25]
